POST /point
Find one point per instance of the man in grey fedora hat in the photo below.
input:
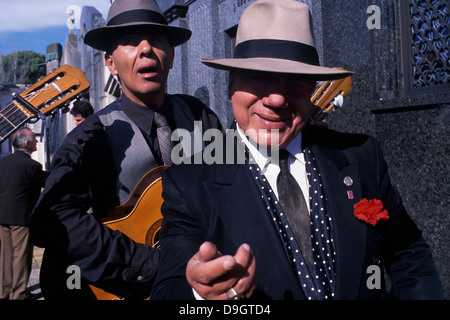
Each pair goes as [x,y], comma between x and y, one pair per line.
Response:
[310,214]
[103,159]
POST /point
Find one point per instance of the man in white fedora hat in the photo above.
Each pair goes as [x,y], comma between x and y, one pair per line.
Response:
[310,214]
[103,159]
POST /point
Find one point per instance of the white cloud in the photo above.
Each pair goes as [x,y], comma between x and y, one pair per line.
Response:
[26,15]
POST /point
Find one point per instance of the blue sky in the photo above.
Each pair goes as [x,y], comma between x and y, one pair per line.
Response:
[33,25]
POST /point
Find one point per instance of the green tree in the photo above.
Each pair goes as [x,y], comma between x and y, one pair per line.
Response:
[24,67]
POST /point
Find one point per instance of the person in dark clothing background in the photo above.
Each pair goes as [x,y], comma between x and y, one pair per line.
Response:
[21,180]
[81,110]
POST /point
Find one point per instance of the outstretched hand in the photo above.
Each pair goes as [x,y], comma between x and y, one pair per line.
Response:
[212,274]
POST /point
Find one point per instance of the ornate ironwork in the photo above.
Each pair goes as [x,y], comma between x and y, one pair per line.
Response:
[430,43]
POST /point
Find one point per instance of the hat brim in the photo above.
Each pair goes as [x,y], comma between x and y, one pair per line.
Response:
[101,38]
[278,66]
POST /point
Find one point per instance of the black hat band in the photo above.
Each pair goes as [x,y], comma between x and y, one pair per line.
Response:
[140,15]
[278,49]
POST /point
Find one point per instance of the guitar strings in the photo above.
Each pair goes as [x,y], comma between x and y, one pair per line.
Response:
[10,120]
[12,116]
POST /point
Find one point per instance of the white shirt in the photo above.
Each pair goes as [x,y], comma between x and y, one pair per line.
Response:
[270,168]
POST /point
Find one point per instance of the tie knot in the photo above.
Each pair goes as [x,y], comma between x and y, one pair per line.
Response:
[284,156]
[160,120]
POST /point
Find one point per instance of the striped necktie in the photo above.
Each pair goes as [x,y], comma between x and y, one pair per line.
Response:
[164,134]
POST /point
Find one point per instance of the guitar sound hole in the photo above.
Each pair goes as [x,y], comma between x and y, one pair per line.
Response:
[156,240]
[152,237]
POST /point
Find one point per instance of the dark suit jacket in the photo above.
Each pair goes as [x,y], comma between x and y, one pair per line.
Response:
[21,180]
[85,174]
[222,204]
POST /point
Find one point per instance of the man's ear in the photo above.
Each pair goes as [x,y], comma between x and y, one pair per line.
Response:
[109,62]
[28,145]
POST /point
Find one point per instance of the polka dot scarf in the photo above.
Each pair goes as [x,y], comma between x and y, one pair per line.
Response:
[320,284]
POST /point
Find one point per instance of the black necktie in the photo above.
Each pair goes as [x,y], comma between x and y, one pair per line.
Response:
[164,134]
[295,209]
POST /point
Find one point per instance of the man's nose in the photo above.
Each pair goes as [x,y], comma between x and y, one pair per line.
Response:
[145,47]
[274,100]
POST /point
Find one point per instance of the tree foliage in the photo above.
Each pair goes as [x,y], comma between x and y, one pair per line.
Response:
[22,67]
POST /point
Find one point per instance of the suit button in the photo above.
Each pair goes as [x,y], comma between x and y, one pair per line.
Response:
[139,278]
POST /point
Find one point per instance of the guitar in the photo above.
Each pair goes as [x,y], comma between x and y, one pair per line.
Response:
[54,90]
[329,95]
[139,217]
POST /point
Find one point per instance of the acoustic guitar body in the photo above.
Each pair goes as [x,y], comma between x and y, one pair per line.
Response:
[139,217]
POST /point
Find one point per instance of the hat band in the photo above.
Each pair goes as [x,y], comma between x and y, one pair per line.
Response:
[137,16]
[278,49]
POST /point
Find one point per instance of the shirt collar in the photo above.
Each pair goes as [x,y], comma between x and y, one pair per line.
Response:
[143,116]
[295,148]
[140,115]
[261,157]
[24,151]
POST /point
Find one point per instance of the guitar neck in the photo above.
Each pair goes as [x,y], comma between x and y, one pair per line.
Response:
[53,91]
[11,118]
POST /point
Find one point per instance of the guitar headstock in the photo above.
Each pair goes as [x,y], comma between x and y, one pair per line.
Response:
[62,85]
[329,95]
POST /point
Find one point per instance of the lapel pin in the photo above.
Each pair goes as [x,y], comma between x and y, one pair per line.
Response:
[348,181]
[350,194]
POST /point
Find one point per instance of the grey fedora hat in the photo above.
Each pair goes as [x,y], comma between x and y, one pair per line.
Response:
[127,14]
[276,36]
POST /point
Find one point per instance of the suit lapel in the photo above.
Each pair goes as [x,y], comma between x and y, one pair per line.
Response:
[241,205]
[342,189]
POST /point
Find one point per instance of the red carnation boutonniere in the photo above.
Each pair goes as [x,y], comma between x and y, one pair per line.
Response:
[370,211]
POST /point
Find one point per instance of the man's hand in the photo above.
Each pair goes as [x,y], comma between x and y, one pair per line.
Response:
[211,274]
